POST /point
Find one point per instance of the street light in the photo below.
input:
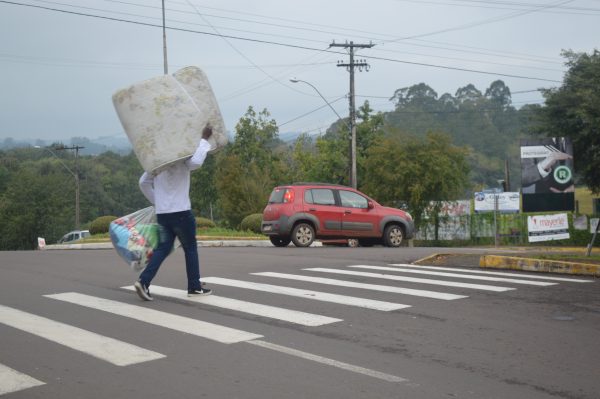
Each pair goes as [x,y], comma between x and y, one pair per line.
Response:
[75,174]
[352,154]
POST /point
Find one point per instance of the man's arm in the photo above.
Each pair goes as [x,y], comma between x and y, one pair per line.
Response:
[147,186]
[203,148]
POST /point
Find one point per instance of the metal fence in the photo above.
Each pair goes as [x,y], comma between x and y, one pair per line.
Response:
[501,228]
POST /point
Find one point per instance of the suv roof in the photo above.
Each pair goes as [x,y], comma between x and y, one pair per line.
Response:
[316,184]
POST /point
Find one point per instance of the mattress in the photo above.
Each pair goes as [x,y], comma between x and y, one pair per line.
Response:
[163,117]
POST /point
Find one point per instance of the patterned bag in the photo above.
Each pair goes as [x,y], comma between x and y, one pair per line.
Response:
[135,237]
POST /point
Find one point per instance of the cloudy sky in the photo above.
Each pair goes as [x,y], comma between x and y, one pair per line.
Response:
[62,60]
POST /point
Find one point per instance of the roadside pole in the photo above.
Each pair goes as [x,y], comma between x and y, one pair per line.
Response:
[591,244]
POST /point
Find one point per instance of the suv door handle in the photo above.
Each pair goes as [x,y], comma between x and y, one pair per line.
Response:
[312,209]
[347,212]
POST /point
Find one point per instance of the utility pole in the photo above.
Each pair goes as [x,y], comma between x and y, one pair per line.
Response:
[76,175]
[360,64]
[164,39]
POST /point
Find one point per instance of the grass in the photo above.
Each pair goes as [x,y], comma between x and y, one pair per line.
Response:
[579,258]
[222,233]
[213,233]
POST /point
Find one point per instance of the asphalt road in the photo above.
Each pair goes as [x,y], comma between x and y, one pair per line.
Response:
[69,330]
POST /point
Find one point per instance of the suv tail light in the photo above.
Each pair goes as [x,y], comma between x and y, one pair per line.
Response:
[288,196]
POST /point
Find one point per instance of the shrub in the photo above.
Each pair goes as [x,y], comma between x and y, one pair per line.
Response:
[252,222]
[204,223]
[100,225]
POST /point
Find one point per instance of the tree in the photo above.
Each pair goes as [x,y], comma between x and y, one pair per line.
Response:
[468,94]
[243,188]
[37,202]
[573,110]
[248,168]
[419,95]
[499,94]
[415,172]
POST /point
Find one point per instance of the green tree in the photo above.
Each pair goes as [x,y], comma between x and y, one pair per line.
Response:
[248,168]
[203,190]
[573,110]
[416,171]
[38,202]
[243,188]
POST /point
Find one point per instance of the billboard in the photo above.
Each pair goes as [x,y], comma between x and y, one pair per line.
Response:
[547,175]
[507,202]
[548,227]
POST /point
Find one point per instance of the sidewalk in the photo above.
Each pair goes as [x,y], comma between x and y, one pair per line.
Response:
[522,258]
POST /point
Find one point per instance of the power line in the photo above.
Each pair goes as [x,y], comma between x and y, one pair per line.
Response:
[483,22]
[371,37]
[497,5]
[311,112]
[259,41]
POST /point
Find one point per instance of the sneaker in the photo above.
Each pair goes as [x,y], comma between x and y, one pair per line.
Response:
[199,292]
[143,291]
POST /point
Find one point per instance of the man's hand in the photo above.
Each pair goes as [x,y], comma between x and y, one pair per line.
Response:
[207,132]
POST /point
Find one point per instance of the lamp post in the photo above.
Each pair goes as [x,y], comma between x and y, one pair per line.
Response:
[352,156]
[75,174]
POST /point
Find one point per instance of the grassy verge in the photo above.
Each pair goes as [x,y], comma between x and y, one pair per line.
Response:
[593,258]
[214,233]
[224,234]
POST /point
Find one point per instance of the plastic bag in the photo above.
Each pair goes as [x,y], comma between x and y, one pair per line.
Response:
[135,237]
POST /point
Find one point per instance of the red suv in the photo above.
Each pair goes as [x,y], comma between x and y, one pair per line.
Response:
[302,212]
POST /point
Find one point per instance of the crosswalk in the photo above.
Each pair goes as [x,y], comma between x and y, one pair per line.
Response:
[359,281]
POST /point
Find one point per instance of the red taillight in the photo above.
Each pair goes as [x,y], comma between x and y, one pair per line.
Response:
[288,196]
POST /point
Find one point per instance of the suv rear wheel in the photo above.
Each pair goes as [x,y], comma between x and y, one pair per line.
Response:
[303,235]
[279,241]
[393,236]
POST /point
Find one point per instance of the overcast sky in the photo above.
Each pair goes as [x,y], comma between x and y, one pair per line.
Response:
[61,63]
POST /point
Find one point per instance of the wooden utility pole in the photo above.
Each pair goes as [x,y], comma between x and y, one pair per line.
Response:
[164,39]
[76,175]
[360,64]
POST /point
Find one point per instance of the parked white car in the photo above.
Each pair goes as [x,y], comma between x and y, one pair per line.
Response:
[74,236]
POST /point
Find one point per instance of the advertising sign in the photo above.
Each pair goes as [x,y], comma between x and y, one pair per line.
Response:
[507,202]
[593,225]
[547,174]
[548,227]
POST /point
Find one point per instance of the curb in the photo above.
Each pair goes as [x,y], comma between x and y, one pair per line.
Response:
[538,265]
[203,243]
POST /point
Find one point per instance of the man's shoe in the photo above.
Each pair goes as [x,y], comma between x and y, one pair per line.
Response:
[199,292]
[143,291]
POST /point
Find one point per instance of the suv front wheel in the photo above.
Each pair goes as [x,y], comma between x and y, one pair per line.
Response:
[393,236]
[303,235]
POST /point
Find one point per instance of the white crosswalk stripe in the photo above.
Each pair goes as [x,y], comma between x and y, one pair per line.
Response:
[412,279]
[187,325]
[272,312]
[13,381]
[372,287]
[308,294]
[111,350]
[459,275]
[506,274]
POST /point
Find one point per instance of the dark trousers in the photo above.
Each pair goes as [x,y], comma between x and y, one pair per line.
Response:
[183,226]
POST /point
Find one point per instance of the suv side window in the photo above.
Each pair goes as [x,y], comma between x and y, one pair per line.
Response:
[352,200]
[319,196]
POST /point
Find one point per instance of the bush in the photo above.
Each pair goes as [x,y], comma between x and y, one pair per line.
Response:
[100,225]
[204,223]
[252,222]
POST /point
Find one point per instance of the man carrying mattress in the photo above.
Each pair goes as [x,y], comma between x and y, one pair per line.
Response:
[169,192]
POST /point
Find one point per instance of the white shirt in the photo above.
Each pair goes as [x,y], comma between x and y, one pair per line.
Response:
[169,191]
